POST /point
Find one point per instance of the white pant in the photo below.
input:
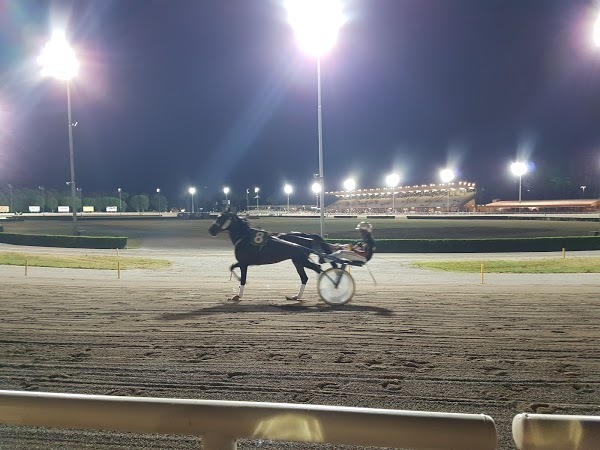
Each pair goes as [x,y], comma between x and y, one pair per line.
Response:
[349,255]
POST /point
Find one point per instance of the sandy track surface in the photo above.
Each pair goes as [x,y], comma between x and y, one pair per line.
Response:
[418,340]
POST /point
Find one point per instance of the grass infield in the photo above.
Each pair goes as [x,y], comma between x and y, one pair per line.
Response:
[82,261]
[555,265]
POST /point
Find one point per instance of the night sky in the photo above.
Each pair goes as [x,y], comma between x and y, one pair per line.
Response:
[179,93]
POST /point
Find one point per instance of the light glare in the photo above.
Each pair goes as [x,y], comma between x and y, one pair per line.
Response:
[316,23]
[447,175]
[58,59]
[349,184]
[392,180]
[596,32]
[316,187]
[287,189]
[518,168]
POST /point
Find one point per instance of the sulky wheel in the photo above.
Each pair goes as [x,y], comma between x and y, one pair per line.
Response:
[335,286]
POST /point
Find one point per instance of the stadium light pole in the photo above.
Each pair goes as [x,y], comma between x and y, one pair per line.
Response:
[247,200]
[316,24]
[256,189]
[226,192]
[288,190]
[447,175]
[192,191]
[316,188]
[10,188]
[596,40]
[80,190]
[158,195]
[519,169]
[120,202]
[42,189]
[392,181]
[59,61]
[582,191]
[350,185]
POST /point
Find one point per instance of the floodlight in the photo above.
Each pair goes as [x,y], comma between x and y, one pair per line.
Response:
[58,59]
[350,184]
[518,168]
[447,175]
[316,23]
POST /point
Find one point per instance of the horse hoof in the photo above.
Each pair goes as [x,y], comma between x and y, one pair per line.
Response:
[295,298]
[235,298]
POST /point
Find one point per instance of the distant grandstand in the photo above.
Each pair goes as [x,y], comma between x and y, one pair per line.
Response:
[425,198]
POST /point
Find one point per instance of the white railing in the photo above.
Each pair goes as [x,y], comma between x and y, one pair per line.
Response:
[221,423]
[556,432]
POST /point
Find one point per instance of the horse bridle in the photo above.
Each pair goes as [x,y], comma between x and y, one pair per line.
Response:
[225,224]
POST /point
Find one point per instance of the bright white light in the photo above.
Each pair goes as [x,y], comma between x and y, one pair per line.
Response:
[316,187]
[349,184]
[58,59]
[192,190]
[158,190]
[518,168]
[596,33]
[225,190]
[316,23]
[287,189]
[256,190]
[447,175]
[392,180]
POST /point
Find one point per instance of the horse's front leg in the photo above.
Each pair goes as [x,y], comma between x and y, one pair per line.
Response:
[232,268]
[243,274]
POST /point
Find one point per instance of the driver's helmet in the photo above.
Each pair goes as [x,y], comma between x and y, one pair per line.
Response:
[365,226]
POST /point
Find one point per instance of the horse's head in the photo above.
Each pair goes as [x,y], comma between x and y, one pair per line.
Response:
[222,223]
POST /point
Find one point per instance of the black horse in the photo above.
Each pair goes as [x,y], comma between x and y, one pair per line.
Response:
[254,247]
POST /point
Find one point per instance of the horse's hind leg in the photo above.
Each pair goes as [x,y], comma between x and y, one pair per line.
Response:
[300,265]
[303,279]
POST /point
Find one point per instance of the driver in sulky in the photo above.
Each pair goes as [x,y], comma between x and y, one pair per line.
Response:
[361,250]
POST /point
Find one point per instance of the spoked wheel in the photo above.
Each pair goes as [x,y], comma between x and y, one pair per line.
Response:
[335,286]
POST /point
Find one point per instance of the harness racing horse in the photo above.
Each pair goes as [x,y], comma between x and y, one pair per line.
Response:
[254,247]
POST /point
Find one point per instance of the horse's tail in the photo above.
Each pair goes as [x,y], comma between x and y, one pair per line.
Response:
[320,245]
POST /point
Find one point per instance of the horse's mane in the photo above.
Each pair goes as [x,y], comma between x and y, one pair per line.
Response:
[244,227]
[244,223]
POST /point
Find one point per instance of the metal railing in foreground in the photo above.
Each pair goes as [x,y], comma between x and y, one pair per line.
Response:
[556,432]
[221,423]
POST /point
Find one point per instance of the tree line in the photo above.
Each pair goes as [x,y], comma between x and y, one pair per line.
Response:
[20,199]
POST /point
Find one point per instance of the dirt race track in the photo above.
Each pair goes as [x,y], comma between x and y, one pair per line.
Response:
[418,340]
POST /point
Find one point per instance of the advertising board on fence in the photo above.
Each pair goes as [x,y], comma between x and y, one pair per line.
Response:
[88,209]
[111,209]
[4,209]
[34,209]
[63,209]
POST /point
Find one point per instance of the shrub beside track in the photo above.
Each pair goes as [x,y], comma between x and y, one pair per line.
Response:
[45,240]
[539,244]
